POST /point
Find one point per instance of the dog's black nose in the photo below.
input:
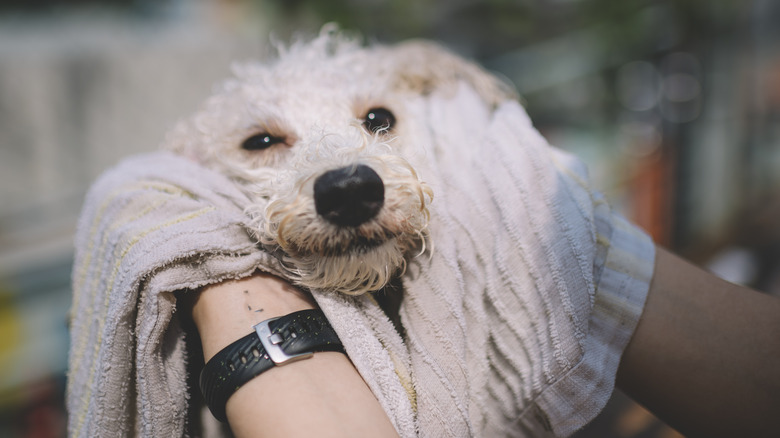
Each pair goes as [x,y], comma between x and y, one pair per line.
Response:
[349,196]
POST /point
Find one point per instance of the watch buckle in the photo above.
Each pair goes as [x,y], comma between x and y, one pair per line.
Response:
[272,344]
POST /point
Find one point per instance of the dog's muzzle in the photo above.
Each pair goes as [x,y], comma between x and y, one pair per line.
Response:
[349,196]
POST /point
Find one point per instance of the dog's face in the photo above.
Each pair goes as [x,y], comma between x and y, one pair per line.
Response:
[321,141]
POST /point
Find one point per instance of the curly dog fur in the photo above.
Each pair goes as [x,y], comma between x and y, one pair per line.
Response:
[331,105]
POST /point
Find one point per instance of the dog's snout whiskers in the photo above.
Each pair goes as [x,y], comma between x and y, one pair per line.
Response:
[349,196]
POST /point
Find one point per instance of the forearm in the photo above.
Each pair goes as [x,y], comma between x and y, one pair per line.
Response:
[321,396]
[706,354]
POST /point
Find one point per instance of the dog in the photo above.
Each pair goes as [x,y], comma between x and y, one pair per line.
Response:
[320,141]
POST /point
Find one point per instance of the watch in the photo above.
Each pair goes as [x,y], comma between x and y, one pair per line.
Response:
[274,342]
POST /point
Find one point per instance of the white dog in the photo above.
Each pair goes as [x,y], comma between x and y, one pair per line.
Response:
[320,141]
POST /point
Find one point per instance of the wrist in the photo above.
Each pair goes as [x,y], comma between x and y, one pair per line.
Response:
[227,311]
[275,342]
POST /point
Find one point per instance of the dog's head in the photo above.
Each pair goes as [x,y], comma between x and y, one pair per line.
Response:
[321,141]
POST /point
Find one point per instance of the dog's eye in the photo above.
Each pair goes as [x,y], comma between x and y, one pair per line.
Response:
[261,141]
[377,119]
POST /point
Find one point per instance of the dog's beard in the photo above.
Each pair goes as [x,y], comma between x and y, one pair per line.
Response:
[352,273]
[351,260]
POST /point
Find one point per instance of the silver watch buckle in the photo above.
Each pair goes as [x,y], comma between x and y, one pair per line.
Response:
[272,344]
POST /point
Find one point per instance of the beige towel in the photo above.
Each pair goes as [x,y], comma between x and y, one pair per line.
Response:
[515,325]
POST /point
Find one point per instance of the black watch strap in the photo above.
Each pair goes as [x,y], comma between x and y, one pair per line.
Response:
[275,341]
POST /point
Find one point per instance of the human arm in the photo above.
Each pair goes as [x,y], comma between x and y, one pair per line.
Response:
[705,357]
[322,396]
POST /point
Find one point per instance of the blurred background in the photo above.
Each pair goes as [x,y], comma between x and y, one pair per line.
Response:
[674,105]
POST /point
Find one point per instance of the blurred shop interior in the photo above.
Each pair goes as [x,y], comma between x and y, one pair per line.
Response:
[674,106]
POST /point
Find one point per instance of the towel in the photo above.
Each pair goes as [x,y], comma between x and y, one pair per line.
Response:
[514,323]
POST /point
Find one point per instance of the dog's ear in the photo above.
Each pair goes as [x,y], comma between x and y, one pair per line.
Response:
[423,67]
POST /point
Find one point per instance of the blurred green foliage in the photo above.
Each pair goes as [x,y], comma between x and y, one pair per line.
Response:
[491,27]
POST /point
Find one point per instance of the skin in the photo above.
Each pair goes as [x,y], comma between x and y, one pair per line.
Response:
[324,395]
[704,358]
